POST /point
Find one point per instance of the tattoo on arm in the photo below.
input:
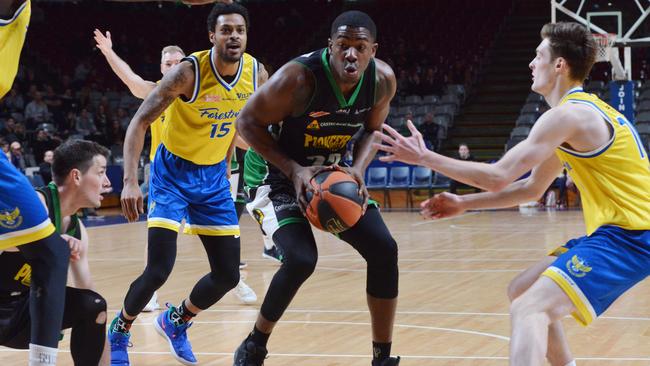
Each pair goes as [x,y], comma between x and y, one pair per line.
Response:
[263,76]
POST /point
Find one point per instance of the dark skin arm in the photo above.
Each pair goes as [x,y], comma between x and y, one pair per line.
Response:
[179,81]
[288,93]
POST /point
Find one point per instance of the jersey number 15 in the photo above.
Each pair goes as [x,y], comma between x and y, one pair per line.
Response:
[220,130]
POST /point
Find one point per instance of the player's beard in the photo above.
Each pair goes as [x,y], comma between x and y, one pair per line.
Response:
[222,52]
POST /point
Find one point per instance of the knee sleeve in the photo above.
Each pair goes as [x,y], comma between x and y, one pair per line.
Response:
[223,254]
[383,273]
[300,265]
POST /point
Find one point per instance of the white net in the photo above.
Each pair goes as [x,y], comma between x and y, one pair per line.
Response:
[604,43]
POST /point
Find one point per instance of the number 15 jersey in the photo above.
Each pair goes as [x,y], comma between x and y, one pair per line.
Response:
[201,129]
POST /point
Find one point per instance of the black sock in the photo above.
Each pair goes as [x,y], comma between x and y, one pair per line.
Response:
[259,338]
[381,351]
[180,315]
[121,324]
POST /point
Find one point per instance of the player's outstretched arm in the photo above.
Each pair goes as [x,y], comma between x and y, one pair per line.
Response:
[139,87]
[551,130]
[179,81]
[446,204]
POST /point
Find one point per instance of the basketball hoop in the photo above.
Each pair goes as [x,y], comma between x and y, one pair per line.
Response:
[604,43]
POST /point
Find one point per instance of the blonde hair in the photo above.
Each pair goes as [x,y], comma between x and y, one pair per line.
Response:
[171,49]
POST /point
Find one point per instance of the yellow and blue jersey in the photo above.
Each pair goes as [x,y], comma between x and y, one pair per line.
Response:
[614,184]
[12,38]
[188,177]
[201,129]
[614,180]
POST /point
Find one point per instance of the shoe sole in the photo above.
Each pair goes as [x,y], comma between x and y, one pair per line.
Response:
[264,255]
[242,266]
[149,309]
[171,346]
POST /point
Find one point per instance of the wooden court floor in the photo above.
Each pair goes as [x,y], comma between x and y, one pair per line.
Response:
[452,305]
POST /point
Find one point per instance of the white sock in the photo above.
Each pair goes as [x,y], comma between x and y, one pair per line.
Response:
[572,363]
[41,355]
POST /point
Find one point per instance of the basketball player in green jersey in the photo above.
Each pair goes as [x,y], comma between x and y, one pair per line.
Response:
[322,99]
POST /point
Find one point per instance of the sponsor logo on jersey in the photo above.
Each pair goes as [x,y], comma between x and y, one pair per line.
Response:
[567,166]
[216,114]
[578,267]
[10,219]
[318,114]
[331,142]
[244,96]
[343,111]
[313,125]
[211,98]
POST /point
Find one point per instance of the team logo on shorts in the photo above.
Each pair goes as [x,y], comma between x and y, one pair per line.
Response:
[10,219]
[152,206]
[258,215]
[578,267]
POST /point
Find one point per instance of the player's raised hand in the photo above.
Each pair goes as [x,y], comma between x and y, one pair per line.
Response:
[131,200]
[103,42]
[442,205]
[410,150]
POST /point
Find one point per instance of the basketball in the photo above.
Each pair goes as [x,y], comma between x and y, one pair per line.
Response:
[335,205]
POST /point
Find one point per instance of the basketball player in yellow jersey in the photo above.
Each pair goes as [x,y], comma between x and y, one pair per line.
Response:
[140,88]
[603,155]
[201,97]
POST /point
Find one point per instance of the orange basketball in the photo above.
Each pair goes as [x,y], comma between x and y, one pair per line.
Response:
[335,205]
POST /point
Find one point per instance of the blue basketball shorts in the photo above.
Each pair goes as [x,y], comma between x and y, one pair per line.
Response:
[596,270]
[23,218]
[200,194]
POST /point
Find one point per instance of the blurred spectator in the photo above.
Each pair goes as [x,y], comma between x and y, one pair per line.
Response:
[43,142]
[85,124]
[5,149]
[402,83]
[429,130]
[9,131]
[115,133]
[16,156]
[14,102]
[20,132]
[69,102]
[54,103]
[101,118]
[432,82]
[45,168]
[68,125]
[463,154]
[36,111]
[123,118]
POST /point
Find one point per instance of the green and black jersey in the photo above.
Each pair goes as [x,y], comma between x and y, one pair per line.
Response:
[51,194]
[320,135]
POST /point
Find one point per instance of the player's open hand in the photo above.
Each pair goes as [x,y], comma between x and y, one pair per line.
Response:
[75,247]
[301,179]
[104,42]
[131,200]
[410,150]
[358,176]
[442,205]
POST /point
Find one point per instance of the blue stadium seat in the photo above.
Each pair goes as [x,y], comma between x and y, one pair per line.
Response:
[399,179]
[440,180]
[421,178]
[377,178]
[36,180]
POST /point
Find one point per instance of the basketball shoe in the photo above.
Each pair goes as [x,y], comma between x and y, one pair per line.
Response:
[152,304]
[274,253]
[176,335]
[391,361]
[119,343]
[244,293]
[250,354]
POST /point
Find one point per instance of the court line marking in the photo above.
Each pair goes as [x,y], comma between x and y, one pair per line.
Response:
[449,313]
[319,355]
[428,271]
[428,221]
[349,260]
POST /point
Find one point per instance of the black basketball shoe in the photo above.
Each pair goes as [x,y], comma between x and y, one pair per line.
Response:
[392,361]
[250,354]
